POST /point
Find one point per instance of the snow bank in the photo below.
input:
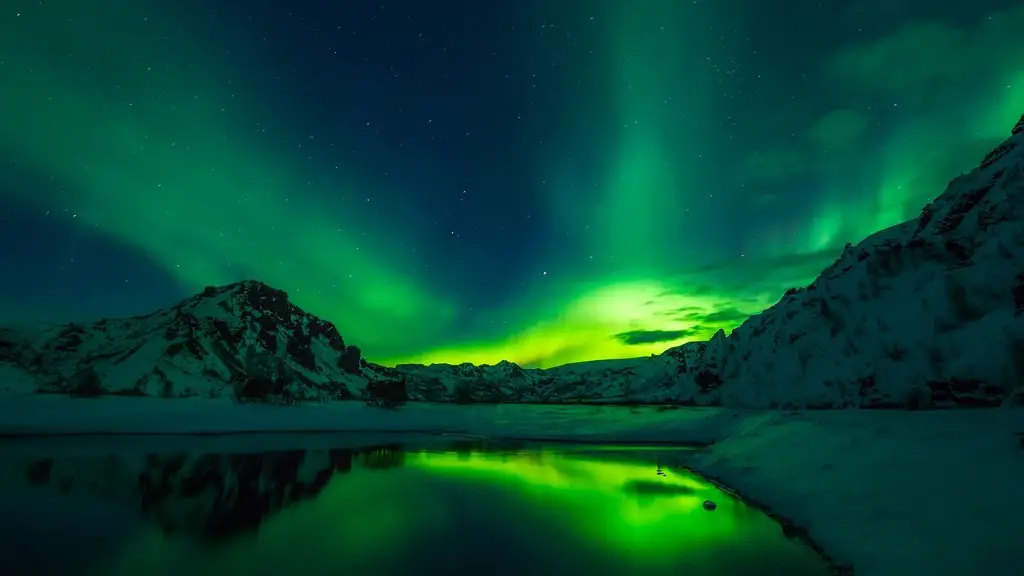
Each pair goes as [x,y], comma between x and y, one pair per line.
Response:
[890,493]
[45,414]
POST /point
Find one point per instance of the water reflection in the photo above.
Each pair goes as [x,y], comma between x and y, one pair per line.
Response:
[394,510]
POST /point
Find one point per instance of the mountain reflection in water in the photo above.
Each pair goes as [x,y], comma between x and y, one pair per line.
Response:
[386,511]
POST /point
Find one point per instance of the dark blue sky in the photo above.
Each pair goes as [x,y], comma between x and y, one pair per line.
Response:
[465,181]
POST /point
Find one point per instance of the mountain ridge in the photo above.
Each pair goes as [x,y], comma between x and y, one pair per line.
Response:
[928,313]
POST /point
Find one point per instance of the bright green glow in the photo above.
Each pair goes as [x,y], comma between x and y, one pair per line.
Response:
[183,159]
[966,88]
[637,208]
[603,503]
[646,185]
[957,143]
[635,217]
[1005,107]
[349,528]
[825,229]
[175,163]
[583,326]
[604,500]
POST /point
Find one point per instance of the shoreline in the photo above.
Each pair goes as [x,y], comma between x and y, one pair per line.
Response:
[789,528]
[874,492]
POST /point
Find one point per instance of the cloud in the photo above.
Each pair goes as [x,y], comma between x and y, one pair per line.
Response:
[636,337]
[773,164]
[926,58]
[725,316]
[743,287]
[749,272]
[923,63]
[933,167]
[823,146]
[837,130]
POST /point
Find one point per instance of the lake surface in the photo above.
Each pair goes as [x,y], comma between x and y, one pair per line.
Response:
[387,510]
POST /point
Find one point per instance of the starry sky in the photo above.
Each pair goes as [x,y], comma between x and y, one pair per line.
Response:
[543,182]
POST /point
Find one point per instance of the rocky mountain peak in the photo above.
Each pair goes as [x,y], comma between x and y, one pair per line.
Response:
[245,338]
[268,310]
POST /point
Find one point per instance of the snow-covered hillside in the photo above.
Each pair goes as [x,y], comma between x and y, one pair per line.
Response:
[928,313]
[244,339]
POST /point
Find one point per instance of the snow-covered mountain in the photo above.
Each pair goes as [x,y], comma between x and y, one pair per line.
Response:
[928,313]
[245,339]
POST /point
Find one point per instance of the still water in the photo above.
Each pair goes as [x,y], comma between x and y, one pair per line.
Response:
[383,511]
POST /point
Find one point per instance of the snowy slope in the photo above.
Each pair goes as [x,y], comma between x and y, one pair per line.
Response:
[887,492]
[659,379]
[928,313]
[244,339]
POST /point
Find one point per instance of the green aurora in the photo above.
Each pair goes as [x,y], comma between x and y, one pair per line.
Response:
[613,506]
[143,122]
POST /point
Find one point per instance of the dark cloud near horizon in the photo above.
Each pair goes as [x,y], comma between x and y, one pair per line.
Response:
[636,337]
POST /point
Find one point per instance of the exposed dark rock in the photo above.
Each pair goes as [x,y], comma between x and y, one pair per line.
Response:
[965,393]
[352,360]
[707,380]
[85,382]
[1018,293]
[386,393]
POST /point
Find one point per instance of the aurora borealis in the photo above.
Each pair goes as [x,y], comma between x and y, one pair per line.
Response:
[603,513]
[532,181]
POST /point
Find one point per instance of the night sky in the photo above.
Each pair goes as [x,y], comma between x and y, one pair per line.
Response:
[448,180]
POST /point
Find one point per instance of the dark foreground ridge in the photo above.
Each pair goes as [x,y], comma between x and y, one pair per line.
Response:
[925,314]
